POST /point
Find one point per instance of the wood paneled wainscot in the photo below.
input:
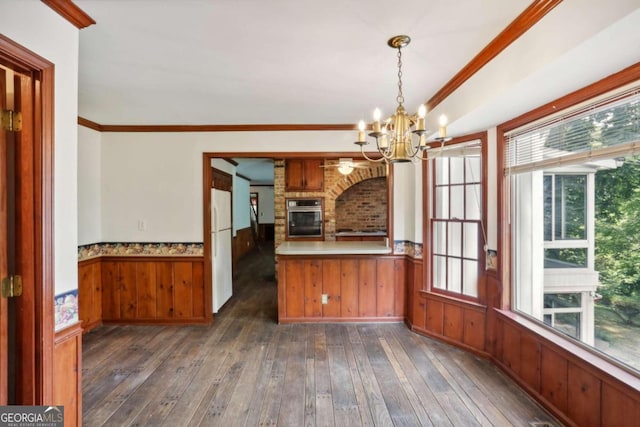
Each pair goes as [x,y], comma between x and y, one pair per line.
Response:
[90,293]
[67,373]
[341,288]
[142,290]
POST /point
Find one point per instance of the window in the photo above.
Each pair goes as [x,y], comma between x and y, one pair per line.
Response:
[574,201]
[565,221]
[456,231]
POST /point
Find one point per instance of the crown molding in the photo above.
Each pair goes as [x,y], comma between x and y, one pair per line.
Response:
[527,19]
[89,124]
[71,12]
[217,128]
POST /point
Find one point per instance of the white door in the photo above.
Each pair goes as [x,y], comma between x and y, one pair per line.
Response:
[221,248]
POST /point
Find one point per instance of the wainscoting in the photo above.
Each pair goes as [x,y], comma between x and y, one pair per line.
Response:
[457,322]
[141,290]
[243,242]
[586,393]
[67,373]
[357,288]
[90,293]
[576,386]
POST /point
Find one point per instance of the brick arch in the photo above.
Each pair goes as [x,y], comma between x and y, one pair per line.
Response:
[358,175]
[340,186]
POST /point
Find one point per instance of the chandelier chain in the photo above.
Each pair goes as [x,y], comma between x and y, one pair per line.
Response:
[400,97]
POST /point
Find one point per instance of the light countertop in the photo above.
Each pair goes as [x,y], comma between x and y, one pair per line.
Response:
[332,248]
[362,233]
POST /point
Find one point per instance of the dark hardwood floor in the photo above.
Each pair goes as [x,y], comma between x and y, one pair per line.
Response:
[246,370]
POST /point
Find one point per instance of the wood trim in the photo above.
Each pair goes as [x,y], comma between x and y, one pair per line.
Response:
[609,83]
[450,299]
[267,127]
[390,205]
[71,12]
[42,180]
[389,319]
[527,19]
[89,124]
[181,321]
[207,180]
[146,258]
[246,178]
[427,194]
[231,161]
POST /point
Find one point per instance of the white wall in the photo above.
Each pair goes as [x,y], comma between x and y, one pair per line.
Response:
[89,186]
[241,204]
[404,201]
[266,204]
[157,177]
[38,28]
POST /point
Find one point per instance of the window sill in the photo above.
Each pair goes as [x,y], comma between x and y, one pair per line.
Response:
[450,298]
[580,353]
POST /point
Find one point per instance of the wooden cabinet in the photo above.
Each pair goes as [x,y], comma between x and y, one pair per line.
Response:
[304,175]
[341,288]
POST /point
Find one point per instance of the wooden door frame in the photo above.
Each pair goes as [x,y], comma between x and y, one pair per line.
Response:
[38,133]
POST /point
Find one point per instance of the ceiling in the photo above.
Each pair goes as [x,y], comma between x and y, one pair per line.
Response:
[206,62]
[259,171]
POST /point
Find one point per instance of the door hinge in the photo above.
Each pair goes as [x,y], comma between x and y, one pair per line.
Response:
[11,120]
[11,286]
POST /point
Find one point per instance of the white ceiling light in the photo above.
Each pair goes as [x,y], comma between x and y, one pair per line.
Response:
[394,137]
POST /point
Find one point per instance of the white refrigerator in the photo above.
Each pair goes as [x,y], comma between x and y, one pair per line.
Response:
[221,247]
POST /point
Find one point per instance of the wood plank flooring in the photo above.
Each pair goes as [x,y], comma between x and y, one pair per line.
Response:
[246,370]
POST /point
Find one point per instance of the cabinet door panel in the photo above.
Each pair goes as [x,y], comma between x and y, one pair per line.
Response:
[313,175]
[294,175]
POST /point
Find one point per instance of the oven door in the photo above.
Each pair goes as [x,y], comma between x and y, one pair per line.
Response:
[303,222]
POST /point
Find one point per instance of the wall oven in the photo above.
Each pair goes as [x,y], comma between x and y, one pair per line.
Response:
[304,218]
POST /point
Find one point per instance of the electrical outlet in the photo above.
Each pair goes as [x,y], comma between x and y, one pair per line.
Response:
[142,225]
[325,299]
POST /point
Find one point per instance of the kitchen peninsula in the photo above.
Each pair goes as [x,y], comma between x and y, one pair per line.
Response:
[339,281]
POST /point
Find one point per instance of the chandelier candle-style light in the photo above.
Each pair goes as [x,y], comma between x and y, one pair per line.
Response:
[394,137]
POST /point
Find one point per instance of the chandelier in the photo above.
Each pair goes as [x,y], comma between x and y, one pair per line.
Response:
[395,136]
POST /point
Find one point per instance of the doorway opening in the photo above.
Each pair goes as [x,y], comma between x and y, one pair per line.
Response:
[250,210]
